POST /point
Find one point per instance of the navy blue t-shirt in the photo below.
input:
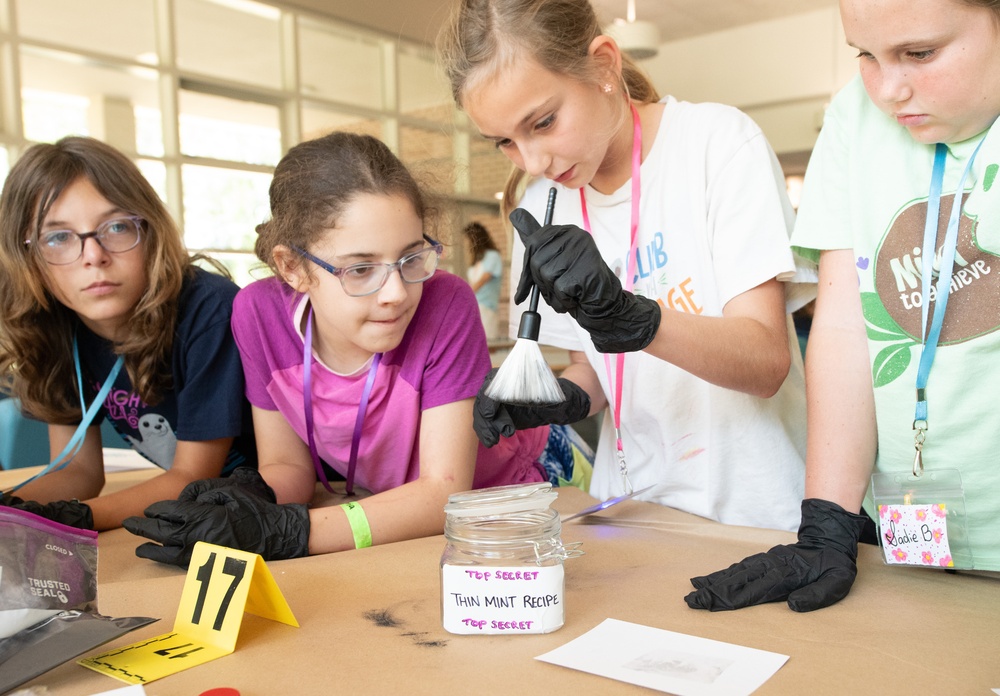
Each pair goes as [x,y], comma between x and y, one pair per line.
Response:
[207,401]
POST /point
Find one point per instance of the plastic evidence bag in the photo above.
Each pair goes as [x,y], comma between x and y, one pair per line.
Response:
[922,520]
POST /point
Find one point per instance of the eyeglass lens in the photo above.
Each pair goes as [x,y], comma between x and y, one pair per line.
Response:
[66,246]
[366,278]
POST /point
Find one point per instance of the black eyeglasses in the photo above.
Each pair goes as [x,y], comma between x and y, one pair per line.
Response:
[362,279]
[60,247]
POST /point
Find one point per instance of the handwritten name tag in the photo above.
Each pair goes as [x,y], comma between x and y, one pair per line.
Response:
[489,599]
[915,535]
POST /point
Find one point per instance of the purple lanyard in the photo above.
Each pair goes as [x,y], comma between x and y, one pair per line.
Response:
[615,385]
[358,422]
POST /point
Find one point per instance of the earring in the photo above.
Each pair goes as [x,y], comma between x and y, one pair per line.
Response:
[607,88]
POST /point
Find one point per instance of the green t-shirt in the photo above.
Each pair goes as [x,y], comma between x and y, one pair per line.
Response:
[866,189]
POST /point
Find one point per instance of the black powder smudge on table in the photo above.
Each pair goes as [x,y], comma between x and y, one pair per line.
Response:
[383,618]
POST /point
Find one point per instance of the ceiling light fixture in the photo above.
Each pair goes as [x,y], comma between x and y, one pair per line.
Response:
[636,37]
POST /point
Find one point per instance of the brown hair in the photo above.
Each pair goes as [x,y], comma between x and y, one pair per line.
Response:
[480,239]
[484,36]
[36,330]
[318,179]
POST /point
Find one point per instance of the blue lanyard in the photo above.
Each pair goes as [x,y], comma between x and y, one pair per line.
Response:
[931,337]
[76,442]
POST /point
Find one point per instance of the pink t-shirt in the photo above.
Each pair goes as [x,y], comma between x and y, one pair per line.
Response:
[442,358]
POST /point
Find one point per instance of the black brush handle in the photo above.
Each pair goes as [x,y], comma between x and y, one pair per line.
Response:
[550,207]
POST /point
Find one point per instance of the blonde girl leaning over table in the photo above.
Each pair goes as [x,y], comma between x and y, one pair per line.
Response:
[710,403]
[928,91]
[394,354]
[104,315]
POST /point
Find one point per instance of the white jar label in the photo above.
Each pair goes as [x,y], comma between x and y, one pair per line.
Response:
[497,599]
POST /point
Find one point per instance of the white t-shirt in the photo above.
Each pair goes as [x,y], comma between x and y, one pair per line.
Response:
[714,223]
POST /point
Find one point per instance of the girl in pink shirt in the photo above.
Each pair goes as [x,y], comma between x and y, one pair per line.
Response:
[361,361]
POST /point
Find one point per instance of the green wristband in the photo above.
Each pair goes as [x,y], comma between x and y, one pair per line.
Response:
[358,520]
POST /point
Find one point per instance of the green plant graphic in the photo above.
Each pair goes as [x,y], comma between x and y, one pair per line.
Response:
[893,359]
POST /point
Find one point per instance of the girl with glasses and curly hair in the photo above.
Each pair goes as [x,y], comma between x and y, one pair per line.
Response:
[105,316]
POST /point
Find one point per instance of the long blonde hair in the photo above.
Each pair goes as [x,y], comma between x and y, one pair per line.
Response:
[485,36]
[36,330]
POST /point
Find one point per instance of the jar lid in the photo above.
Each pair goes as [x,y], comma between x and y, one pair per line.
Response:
[501,500]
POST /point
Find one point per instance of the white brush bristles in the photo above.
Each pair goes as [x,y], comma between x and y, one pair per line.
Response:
[525,377]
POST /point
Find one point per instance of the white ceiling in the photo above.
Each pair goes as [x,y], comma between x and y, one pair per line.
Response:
[420,20]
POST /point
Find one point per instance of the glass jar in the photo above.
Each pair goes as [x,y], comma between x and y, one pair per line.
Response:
[502,566]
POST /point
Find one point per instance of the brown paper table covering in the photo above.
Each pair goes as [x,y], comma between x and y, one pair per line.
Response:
[370,619]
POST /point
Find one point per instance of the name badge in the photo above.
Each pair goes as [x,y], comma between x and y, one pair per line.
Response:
[915,535]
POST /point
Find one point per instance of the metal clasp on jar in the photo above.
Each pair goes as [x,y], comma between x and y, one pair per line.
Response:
[556,551]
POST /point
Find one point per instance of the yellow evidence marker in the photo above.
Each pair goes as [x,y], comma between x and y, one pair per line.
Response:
[221,584]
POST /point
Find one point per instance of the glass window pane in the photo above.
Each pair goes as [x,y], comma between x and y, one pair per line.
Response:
[229,129]
[222,207]
[148,131]
[235,39]
[94,25]
[340,65]
[64,94]
[423,90]
[428,153]
[4,165]
[50,115]
[243,267]
[317,121]
[156,174]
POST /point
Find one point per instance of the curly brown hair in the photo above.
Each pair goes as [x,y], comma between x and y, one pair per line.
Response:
[36,330]
[317,180]
[484,36]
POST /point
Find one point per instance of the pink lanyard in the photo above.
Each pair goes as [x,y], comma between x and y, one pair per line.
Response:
[616,384]
[358,422]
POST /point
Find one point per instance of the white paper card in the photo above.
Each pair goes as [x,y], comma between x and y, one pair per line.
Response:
[671,662]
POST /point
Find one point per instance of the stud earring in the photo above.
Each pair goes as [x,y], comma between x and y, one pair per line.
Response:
[607,88]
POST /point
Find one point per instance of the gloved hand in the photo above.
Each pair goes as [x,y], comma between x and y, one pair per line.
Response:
[813,573]
[230,516]
[244,477]
[573,278]
[68,512]
[491,419]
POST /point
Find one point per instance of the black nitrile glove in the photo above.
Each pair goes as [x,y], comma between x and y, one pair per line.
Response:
[813,573]
[492,419]
[573,278]
[229,516]
[244,478]
[68,512]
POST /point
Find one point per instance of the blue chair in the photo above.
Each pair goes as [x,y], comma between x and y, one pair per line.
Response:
[25,442]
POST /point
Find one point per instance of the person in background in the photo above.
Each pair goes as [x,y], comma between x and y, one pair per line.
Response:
[106,316]
[359,355]
[484,276]
[682,204]
[906,320]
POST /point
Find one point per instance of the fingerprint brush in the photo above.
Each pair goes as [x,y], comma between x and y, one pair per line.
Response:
[525,377]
